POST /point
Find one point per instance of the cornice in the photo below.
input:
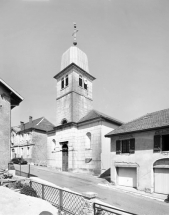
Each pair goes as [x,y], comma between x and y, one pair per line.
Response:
[74,66]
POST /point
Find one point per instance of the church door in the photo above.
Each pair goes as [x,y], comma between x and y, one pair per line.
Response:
[65,157]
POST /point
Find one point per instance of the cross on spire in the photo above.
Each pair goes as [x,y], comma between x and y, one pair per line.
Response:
[74,34]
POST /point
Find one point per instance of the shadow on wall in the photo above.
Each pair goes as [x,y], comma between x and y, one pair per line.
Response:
[106,175]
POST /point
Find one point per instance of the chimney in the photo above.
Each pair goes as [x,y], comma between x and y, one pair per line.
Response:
[22,125]
[30,119]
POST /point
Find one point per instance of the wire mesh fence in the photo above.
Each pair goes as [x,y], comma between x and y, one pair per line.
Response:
[73,203]
[69,202]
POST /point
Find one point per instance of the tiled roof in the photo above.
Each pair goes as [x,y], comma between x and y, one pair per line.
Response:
[40,123]
[149,121]
[93,114]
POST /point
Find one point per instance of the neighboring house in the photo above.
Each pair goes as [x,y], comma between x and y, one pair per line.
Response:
[140,153]
[29,140]
[77,142]
[9,99]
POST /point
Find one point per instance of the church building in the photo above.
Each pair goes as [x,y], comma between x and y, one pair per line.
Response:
[77,142]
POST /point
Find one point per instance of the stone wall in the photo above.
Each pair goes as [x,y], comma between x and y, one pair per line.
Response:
[5,121]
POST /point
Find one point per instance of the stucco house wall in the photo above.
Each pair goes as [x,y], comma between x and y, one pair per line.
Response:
[143,159]
[38,151]
[106,127]
[5,123]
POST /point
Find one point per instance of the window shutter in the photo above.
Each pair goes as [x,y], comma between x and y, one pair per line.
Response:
[118,147]
[132,145]
[157,143]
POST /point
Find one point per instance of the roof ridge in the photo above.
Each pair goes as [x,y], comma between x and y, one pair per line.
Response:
[152,120]
[105,115]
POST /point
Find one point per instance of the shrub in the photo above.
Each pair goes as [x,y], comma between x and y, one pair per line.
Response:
[16,185]
[29,191]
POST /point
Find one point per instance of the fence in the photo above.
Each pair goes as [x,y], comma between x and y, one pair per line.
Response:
[100,209]
[73,203]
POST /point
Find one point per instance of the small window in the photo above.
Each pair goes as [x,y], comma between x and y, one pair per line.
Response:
[28,152]
[161,143]
[165,142]
[64,121]
[67,80]
[85,84]
[62,83]
[80,81]
[125,146]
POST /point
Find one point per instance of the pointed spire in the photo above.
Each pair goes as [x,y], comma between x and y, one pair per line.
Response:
[74,34]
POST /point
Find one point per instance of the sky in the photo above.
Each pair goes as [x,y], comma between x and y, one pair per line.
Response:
[126,42]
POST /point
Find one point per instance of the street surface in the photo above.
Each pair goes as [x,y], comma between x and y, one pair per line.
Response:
[126,201]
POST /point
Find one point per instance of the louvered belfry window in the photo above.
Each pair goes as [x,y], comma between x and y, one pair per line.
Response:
[80,80]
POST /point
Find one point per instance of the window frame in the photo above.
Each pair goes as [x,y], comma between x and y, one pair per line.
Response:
[66,80]
[88,138]
[80,81]
[130,146]
[158,143]
[62,83]
[85,84]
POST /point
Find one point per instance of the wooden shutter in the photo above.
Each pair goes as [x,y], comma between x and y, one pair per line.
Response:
[118,147]
[157,143]
[132,145]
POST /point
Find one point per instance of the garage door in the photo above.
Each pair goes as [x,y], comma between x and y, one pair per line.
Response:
[127,176]
[161,180]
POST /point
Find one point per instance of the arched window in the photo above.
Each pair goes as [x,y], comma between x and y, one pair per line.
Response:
[88,141]
[64,121]
[67,81]
[80,81]
[54,145]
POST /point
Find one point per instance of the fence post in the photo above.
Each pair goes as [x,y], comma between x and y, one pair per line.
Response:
[60,201]
[28,170]
[30,183]
[89,206]
[43,194]
[20,169]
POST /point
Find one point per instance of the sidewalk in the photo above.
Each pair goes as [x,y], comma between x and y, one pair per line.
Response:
[154,196]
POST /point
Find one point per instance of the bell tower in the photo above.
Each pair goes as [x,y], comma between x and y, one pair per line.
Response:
[74,86]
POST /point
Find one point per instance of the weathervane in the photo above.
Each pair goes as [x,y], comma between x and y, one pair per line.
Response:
[74,35]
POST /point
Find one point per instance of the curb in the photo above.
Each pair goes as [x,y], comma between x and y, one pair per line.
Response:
[127,191]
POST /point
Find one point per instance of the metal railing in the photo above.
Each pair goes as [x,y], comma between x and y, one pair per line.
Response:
[73,203]
[100,209]
[64,200]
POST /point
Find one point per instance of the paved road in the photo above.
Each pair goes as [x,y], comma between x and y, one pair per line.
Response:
[126,201]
